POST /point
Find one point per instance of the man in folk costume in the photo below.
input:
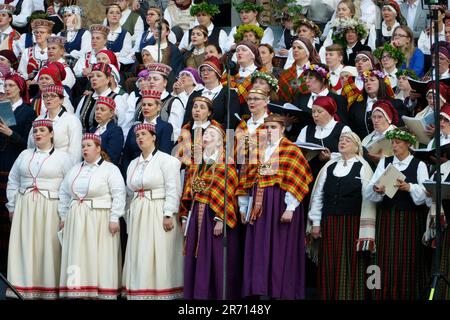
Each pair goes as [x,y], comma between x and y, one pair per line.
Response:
[204,12]
[8,36]
[249,12]
[99,38]
[172,109]
[202,214]
[178,14]
[334,55]
[56,53]
[36,56]
[270,195]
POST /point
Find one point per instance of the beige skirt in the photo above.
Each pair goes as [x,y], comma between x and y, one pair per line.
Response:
[153,267]
[34,250]
[91,256]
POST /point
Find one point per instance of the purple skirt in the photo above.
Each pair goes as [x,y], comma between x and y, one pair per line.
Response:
[203,275]
[274,256]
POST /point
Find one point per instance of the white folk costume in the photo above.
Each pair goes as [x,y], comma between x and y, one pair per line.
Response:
[154,258]
[31,61]
[67,129]
[34,250]
[92,196]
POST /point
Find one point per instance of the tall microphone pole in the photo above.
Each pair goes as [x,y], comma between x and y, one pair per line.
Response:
[227,153]
[160,29]
[437,273]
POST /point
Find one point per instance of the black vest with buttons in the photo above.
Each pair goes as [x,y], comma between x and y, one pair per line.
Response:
[402,199]
[342,195]
[331,142]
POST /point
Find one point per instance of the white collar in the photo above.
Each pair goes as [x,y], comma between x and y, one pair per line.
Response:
[414,5]
[274,145]
[151,122]
[47,152]
[149,157]
[258,122]
[209,159]
[95,164]
[215,89]
[322,93]
[406,161]
[329,125]
[164,94]
[17,104]
[117,31]
[337,71]
[251,68]
[7,30]
[385,31]
[204,125]
[103,94]
[391,74]
[210,28]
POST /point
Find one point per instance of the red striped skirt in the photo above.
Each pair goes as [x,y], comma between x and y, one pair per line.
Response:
[341,270]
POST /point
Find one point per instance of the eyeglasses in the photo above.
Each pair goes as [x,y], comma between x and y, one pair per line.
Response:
[385,57]
[50,96]
[441,118]
[362,59]
[254,99]
[396,36]
[39,32]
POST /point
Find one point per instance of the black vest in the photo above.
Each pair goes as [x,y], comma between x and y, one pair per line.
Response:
[288,38]
[342,195]
[402,199]
[331,142]
[87,112]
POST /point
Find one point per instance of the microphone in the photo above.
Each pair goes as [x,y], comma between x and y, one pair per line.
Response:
[230,65]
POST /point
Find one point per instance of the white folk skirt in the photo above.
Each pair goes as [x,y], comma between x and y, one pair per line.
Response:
[91,255]
[34,250]
[153,267]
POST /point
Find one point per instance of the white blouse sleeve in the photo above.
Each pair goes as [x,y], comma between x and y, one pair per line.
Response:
[243,203]
[126,55]
[20,20]
[184,43]
[369,194]
[13,185]
[75,132]
[291,201]
[65,196]
[302,136]
[172,183]
[70,78]
[223,37]
[267,37]
[176,118]
[118,193]
[315,212]
[23,64]
[417,190]
[138,30]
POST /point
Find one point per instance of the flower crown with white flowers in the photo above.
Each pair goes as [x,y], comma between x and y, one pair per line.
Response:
[340,26]
[271,80]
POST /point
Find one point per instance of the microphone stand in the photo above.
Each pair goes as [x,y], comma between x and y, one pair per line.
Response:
[228,66]
[437,273]
[3,278]
[160,29]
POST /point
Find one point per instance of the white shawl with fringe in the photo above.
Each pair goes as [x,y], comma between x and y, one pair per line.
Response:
[366,238]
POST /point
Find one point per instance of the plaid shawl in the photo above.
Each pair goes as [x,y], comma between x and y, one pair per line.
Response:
[184,150]
[242,85]
[290,170]
[213,195]
[290,86]
[246,145]
[351,92]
